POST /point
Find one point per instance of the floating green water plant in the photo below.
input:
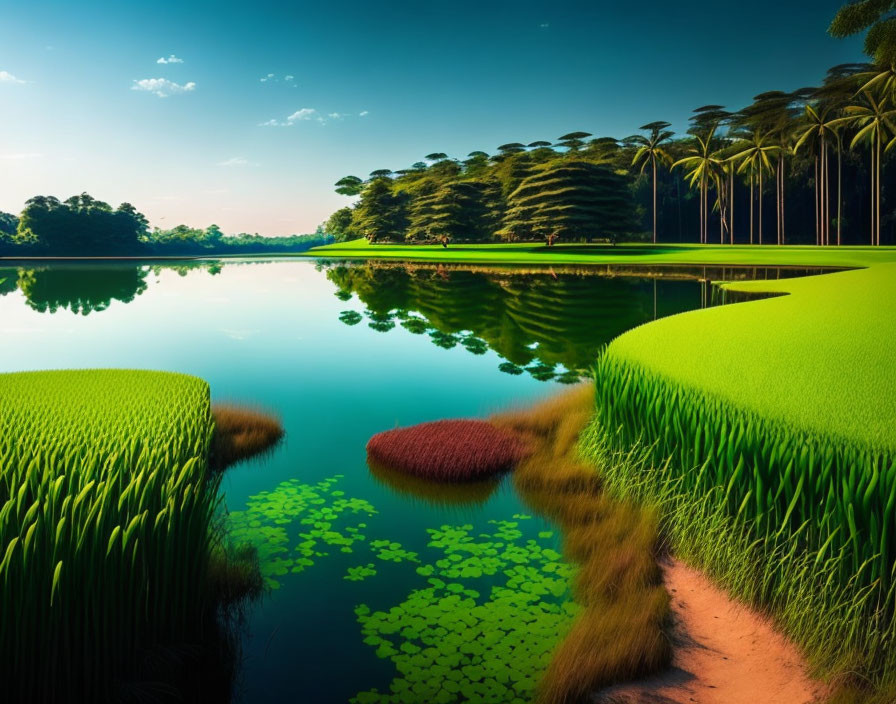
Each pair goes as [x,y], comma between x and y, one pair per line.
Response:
[295,524]
[494,607]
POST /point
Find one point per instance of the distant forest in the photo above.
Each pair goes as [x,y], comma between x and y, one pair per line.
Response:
[84,226]
[805,167]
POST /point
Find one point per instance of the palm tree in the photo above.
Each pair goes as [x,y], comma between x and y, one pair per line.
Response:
[821,127]
[754,157]
[773,114]
[840,85]
[651,151]
[875,121]
[703,164]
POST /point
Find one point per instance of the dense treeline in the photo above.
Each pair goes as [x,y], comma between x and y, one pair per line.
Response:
[84,226]
[521,193]
[805,167]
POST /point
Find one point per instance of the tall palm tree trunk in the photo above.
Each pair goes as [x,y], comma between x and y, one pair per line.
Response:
[731,205]
[873,186]
[752,202]
[839,187]
[817,207]
[826,176]
[877,204]
[653,159]
[760,205]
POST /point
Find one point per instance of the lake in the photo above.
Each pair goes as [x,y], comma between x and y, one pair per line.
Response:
[380,590]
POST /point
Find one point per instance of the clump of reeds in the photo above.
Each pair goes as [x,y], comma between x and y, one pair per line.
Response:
[241,433]
[448,450]
[619,635]
[106,511]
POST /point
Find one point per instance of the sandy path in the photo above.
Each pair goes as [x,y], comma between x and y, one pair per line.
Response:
[724,654]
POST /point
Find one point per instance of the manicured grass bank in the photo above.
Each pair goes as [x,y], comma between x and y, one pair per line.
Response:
[766,435]
[105,541]
[602,254]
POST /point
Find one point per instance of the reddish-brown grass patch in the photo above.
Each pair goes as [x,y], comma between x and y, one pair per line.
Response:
[241,433]
[448,450]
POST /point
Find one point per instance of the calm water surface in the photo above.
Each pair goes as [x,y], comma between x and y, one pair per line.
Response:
[379,591]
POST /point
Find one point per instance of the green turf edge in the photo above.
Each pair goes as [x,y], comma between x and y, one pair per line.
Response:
[603,254]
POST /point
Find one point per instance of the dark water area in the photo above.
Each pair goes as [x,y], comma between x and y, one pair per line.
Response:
[379,589]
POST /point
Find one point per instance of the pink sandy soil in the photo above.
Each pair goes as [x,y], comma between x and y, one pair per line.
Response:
[725,653]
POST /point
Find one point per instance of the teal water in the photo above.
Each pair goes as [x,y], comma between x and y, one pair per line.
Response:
[377,591]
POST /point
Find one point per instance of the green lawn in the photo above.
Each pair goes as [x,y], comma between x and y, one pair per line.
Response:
[629,254]
[821,359]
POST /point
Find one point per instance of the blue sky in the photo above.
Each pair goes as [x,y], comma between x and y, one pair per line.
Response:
[86,105]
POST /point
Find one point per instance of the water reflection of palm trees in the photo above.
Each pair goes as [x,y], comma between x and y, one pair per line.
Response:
[549,325]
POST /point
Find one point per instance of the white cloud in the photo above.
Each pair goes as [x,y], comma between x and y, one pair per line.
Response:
[234,161]
[170,60]
[162,87]
[306,114]
[288,78]
[364,113]
[303,114]
[7,77]
[269,77]
[544,25]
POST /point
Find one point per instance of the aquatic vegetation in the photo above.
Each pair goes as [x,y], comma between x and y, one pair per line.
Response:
[494,606]
[618,633]
[447,450]
[360,573]
[325,520]
[772,459]
[106,512]
[241,433]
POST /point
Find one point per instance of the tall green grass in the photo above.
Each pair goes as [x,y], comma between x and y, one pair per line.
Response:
[105,516]
[799,523]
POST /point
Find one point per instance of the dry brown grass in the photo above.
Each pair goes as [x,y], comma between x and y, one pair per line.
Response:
[620,634]
[241,433]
